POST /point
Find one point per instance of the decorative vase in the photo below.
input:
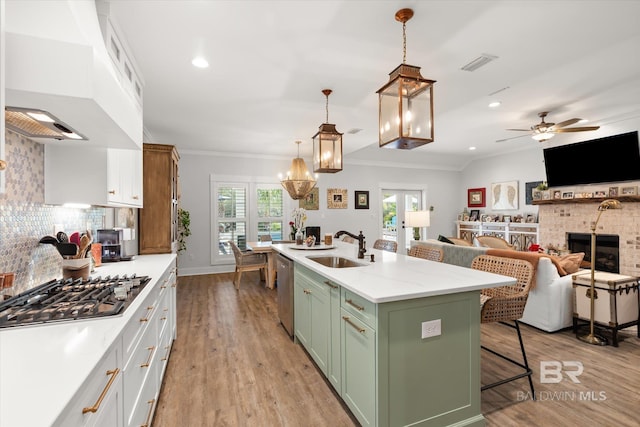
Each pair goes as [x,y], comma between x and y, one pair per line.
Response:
[299,237]
[293,236]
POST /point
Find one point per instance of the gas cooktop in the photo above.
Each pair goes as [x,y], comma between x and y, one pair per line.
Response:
[71,299]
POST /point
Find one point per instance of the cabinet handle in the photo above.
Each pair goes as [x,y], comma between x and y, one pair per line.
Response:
[150,403]
[96,406]
[112,191]
[135,197]
[356,327]
[166,354]
[148,362]
[146,319]
[359,307]
[306,291]
[331,285]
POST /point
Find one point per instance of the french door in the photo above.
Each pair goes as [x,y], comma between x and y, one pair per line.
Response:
[395,203]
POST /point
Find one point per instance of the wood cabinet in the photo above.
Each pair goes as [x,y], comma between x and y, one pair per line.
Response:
[158,219]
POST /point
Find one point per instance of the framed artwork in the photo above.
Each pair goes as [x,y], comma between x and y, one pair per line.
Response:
[600,193]
[629,191]
[613,191]
[336,198]
[504,195]
[530,218]
[557,194]
[475,215]
[125,217]
[362,200]
[567,195]
[311,201]
[529,192]
[506,218]
[476,197]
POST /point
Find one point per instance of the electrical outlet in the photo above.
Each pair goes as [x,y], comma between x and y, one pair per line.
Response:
[432,328]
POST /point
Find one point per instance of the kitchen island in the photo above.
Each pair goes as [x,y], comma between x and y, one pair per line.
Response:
[49,373]
[397,338]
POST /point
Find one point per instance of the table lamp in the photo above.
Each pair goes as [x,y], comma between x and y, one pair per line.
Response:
[592,338]
[417,220]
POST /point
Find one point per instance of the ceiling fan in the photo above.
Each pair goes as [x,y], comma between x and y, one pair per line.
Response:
[546,130]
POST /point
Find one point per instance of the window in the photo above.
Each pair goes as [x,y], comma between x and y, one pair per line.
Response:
[243,210]
[270,211]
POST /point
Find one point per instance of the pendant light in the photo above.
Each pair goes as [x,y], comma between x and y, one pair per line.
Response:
[406,102]
[327,145]
[299,182]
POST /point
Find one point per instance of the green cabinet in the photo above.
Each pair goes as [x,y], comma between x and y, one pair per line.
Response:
[312,322]
[377,359]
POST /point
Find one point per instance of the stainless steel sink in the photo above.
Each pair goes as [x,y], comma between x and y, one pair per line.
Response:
[335,261]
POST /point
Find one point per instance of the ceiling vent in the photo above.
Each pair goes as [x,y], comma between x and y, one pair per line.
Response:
[480,61]
[39,124]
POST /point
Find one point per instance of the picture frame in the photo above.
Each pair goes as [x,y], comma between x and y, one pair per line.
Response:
[506,218]
[629,191]
[460,217]
[530,192]
[613,191]
[557,195]
[476,197]
[311,201]
[336,198]
[504,195]
[536,194]
[530,219]
[600,194]
[567,195]
[362,199]
[474,215]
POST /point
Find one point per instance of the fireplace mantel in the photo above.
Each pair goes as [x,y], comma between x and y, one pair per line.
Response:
[623,199]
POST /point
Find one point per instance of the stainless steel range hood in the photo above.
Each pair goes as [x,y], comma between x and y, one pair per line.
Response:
[57,62]
[38,124]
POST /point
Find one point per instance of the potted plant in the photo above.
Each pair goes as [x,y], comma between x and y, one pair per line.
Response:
[184,230]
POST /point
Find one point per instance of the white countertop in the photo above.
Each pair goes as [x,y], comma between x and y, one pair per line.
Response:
[42,366]
[394,277]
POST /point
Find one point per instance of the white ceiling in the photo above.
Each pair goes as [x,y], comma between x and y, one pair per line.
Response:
[270,60]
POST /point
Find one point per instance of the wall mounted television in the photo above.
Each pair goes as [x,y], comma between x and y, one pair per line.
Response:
[609,159]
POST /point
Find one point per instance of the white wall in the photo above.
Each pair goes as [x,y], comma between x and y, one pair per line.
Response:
[196,168]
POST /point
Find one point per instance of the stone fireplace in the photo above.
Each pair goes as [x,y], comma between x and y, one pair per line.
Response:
[607,256]
[556,220]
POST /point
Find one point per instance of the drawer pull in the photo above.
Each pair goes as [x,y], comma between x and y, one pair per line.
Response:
[356,327]
[146,319]
[112,191]
[114,373]
[359,307]
[150,403]
[306,291]
[166,354]
[331,285]
[148,362]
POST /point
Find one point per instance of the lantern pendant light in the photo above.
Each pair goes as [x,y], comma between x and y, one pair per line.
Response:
[327,145]
[299,182]
[406,102]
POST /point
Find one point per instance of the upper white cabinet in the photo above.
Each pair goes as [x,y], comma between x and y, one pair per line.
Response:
[97,176]
[57,61]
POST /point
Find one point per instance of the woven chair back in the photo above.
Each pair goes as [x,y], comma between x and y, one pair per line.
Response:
[427,252]
[386,245]
[505,302]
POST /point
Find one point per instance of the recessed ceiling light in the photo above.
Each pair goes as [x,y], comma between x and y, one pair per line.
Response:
[200,62]
[495,104]
[472,148]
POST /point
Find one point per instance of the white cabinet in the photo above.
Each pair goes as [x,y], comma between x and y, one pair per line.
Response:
[520,234]
[93,175]
[99,401]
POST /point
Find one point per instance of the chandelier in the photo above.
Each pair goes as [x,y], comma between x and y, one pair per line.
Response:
[327,145]
[299,181]
[405,110]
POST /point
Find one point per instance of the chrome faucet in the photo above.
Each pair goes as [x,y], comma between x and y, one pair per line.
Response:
[359,237]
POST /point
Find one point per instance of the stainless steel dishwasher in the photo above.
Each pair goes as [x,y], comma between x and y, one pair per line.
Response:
[284,268]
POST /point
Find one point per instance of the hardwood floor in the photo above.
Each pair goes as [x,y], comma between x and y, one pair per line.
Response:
[233,365]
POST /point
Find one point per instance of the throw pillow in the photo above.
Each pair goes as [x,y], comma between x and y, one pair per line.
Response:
[571,262]
[444,239]
[477,243]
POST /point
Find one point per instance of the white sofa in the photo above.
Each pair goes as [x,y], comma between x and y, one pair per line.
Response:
[550,303]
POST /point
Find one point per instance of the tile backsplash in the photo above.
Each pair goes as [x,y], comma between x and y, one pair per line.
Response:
[24,218]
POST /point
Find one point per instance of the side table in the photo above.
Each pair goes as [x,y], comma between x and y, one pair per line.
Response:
[616,301]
